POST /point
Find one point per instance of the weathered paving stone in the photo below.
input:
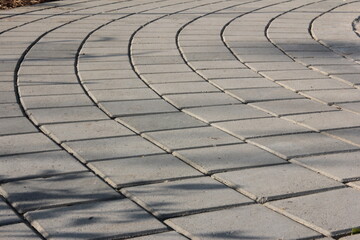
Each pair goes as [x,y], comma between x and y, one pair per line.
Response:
[263,94]
[59,190]
[7,215]
[37,164]
[113,84]
[294,74]
[351,134]
[10,110]
[111,148]
[314,84]
[107,74]
[199,99]
[245,222]
[352,107]
[186,87]
[191,137]
[243,83]
[85,130]
[171,77]
[125,108]
[17,231]
[327,120]
[331,213]
[158,168]
[271,66]
[334,96]
[185,196]
[295,106]
[162,236]
[66,114]
[162,68]
[7,97]
[96,220]
[226,113]
[25,143]
[50,89]
[276,182]
[342,167]
[227,73]
[352,78]
[262,127]
[16,126]
[296,145]
[123,94]
[216,64]
[219,158]
[56,101]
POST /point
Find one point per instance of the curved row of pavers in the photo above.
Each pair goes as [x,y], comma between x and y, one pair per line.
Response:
[344,40]
[108,103]
[36,157]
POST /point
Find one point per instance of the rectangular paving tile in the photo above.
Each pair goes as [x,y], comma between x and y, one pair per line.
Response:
[50,89]
[113,84]
[289,146]
[245,222]
[342,167]
[245,83]
[327,120]
[206,64]
[17,231]
[162,68]
[51,101]
[37,164]
[189,138]
[171,77]
[8,97]
[111,148]
[66,114]
[295,106]
[162,236]
[25,143]
[219,158]
[16,125]
[183,87]
[261,127]
[270,66]
[293,74]
[263,94]
[158,168]
[40,193]
[331,213]
[351,134]
[334,96]
[185,196]
[123,94]
[200,99]
[10,110]
[85,130]
[314,84]
[96,220]
[228,73]
[7,215]
[156,122]
[125,108]
[276,182]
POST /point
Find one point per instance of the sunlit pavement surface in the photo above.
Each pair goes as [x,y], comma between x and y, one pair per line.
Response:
[180,119]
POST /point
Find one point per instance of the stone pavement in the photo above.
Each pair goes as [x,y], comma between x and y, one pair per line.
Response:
[180,119]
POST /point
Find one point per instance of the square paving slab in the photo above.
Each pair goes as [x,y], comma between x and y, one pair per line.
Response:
[96,220]
[331,213]
[245,222]
[185,196]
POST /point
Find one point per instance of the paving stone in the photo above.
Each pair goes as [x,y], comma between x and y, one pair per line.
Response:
[331,213]
[334,96]
[125,108]
[162,68]
[156,122]
[10,110]
[144,60]
[215,64]
[327,120]
[295,106]
[342,167]
[336,69]
[185,196]
[185,87]
[227,73]
[251,58]
[7,216]
[323,61]
[111,148]
[273,66]
[16,126]
[352,107]
[352,237]
[162,236]
[351,134]
[199,99]
[49,89]
[276,182]
[96,220]
[17,231]
[191,137]
[208,55]
[25,143]
[85,130]
[37,164]
[263,94]
[107,74]
[314,84]
[158,168]
[66,114]
[113,84]
[294,74]
[51,101]
[40,193]
[123,94]
[297,145]
[225,113]
[260,223]
[8,97]
[352,78]
[243,83]
[262,127]
[171,77]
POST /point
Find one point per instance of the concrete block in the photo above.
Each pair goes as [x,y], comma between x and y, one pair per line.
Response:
[171,77]
[352,134]
[17,231]
[53,101]
[294,74]
[16,125]
[7,215]
[227,73]
[162,236]
[313,84]
[352,106]
[50,88]
[113,84]
[123,94]
[10,110]
[334,96]
[162,68]
[206,64]
[184,87]
[245,83]
[276,66]
[7,97]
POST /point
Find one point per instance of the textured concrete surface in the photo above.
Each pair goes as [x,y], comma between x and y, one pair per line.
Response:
[179,119]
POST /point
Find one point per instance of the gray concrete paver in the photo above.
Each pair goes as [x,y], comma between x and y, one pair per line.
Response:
[7,215]
[17,231]
[334,96]
[245,83]
[15,126]
[351,134]
[314,84]
[53,101]
[163,236]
